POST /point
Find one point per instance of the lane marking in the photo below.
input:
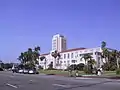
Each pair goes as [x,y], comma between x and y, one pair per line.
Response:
[84,78]
[11,85]
[61,85]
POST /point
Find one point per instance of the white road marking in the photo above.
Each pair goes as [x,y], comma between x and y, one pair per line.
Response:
[61,85]
[11,85]
[84,78]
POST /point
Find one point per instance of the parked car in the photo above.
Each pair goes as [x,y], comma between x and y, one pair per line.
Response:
[1,69]
[20,70]
[15,70]
[33,71]
[25,71]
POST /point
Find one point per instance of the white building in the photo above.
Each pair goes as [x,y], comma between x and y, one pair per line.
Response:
[59,43]
[72,56]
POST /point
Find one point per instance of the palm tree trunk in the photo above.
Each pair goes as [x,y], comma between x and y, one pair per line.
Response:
[55,63]
[45,63]
[118,63]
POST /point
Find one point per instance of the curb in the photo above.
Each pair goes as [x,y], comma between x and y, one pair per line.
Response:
[107,77]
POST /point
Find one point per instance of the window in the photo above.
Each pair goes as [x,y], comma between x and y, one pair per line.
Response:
[85,51]
[64,56]
[68,55]
[64,61]
[71,55]
[65,65]
[61,56]
[60,61]
[81,59]
[73,61]
[68,62]
[97,53]
[91,50]
[80,55]
[76,54]
[90,53]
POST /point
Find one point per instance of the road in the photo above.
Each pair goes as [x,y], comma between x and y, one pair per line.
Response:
[10,81]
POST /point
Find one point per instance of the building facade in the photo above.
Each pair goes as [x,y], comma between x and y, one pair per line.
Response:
[59,43]
[72,56]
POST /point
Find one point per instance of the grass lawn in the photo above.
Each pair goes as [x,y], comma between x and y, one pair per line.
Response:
[110,73]
[66,73]
[59,72]
[54,72]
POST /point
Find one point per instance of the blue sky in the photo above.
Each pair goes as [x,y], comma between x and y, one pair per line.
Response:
[85,23]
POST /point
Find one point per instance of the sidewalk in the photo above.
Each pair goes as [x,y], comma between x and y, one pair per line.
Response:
[92,76]
[102,76]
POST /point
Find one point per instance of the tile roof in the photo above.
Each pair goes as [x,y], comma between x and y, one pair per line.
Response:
[69,50]
[74,49]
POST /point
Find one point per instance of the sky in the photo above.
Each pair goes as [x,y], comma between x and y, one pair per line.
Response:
[29,23]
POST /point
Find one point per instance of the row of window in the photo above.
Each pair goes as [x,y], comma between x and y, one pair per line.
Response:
[72,55]
[73,61]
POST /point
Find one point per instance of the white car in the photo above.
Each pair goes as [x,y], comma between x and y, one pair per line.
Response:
[20,71]
[31,72]
[25,71]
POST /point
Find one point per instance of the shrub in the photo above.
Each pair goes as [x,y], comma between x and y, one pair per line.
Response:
[86,70]
[118,71]
[72,67]
[40,67]
[80,67]
[76,67]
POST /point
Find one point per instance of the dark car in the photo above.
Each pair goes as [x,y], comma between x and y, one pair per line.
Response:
[1,69]
[15,70]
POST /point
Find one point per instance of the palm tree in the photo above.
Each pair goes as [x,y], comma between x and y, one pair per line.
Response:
[37,49]
[36,54]
[0,63]
[105,53]
[116,55]
[43,58]
[55,54]
[88,63]
[21,58]
[86,58]
[103,44]
[118,58]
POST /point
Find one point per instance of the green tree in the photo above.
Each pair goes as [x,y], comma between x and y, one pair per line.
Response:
[116,57]
[111,57]
[30,57]
[86,58]
[36,54]
[103,44]
[1,63]
[105,53]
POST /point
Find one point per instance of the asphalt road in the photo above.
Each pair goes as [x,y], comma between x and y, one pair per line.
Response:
[10,81]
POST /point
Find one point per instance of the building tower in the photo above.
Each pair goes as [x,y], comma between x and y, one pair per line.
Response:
[59,43]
